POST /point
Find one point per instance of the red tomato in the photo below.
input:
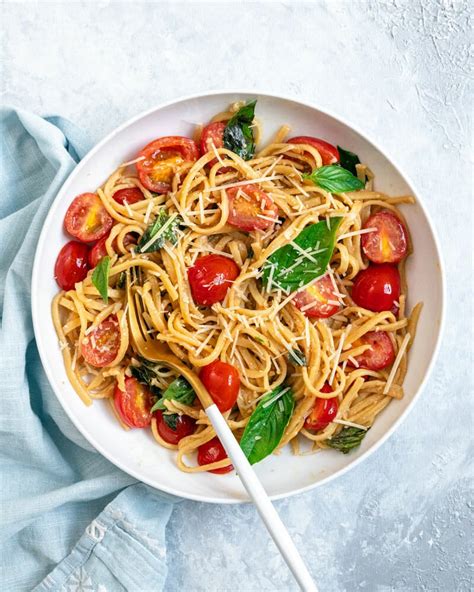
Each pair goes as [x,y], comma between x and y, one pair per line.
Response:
[71,265]
[162,157]
[86,218]
[388,244]
[213,133]
[100,347]
[97,252]
[210,278]
[223,382]
[328,152]
[246,204]
[321,296]
[323,412]
[131,195]
[377,288]
[134,404]
[211,452]
[381,353]
[185,426]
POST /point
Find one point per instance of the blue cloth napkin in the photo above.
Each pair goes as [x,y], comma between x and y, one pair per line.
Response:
[55,532]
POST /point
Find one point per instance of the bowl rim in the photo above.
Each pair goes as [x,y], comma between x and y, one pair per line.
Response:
[35,281]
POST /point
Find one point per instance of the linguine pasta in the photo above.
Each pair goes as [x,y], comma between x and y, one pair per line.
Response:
[256,327]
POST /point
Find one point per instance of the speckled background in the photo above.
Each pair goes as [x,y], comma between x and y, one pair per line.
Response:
[402,72]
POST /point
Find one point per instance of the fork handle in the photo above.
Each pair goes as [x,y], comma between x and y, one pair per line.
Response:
[265,508]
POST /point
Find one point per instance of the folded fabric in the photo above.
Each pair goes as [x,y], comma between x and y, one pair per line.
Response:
[53,482]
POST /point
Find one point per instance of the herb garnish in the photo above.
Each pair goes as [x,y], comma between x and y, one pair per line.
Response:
[306,258]
[238,135]
[347,439]
[296,356]
[267,424]
[163,228]
[100,277]
[179,390]
[335,179]
[348,160]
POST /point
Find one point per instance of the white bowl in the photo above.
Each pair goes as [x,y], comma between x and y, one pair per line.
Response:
[135,451]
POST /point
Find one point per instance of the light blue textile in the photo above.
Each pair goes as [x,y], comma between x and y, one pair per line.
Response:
[53,484]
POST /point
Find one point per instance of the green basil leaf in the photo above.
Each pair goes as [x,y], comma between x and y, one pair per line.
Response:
[267,424]
[171,420]
[347,439]
[348,160]
[296,356]
[179,390]
[238,135]
[291,269]
[335,179]
[100,277]
[163,228]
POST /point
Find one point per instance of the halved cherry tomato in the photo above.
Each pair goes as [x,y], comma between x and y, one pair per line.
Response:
[71,265]
[377,288]
[100,346]
[323,412]
[381,353]
[211,452]
[131,195]
[134,404]
[329,153]
[97,252]
[247,204]
[387,244]
[185,426]
[213,133]
[162,158]
[86,218]
[223,382]
[321,296]
[210,278]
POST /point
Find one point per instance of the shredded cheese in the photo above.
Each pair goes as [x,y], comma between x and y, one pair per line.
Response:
[398,359]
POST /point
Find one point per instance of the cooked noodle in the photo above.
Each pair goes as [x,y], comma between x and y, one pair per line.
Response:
[253,328]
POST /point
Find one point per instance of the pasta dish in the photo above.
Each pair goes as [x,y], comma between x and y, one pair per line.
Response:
[276,273]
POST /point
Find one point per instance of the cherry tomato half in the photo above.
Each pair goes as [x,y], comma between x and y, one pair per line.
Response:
[329,153]
[320,295]
[134,404]
[86,218]
[97,252]
[323,412]
[213,133]
[387,244]
[71,265]
[381,353]
[130,195]
[377,288]
[185,426]
[223,382]
[210,278]
[211,452]
[162,158]
[100,346]
[247,205]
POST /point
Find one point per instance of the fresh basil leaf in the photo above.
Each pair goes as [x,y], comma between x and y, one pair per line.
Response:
[238,135]
[335,179]
[164,227]
[292,269]
[146,374]
[296,356]
[267,424]
[179,390]
[347,439]
[348,160]
[171,420]
[100,277]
